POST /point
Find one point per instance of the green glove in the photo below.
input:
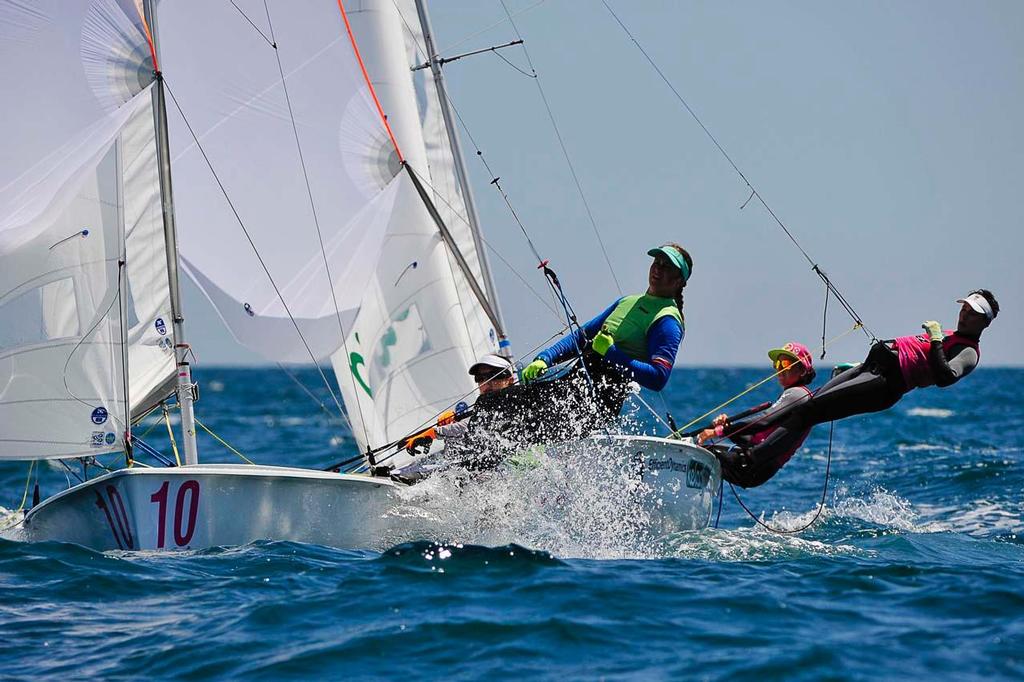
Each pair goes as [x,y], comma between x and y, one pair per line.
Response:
[534,370]
[934,330]
[602,342]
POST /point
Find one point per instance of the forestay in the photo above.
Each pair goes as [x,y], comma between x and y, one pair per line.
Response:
[79,196]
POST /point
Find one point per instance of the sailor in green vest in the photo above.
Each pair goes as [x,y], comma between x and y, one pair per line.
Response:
[634,339]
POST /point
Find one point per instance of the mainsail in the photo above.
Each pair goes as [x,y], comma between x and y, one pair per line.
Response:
[86,338]
[311,240]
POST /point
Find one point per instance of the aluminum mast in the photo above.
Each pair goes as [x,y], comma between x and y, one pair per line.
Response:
[462,176]
[184,386]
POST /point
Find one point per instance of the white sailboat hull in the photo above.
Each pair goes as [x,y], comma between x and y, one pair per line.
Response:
[677,482]
[209,505]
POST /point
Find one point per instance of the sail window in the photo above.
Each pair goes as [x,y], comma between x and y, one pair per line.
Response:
[40,314]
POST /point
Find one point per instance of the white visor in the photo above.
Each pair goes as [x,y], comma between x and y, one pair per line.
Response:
[491,364]
[979,304]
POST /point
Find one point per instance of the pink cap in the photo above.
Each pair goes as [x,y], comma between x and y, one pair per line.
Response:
[795,350]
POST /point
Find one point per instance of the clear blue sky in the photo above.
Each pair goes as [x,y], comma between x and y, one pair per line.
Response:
[887,136]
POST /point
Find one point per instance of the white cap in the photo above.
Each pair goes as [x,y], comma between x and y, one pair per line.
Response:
[492,361]
[979,304]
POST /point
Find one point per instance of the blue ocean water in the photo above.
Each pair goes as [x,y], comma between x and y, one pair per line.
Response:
[916,567]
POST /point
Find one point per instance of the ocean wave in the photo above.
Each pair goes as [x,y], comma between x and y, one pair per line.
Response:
[936,412]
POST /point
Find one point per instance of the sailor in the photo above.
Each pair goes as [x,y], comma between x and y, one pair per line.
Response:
[634,339]
[491,373]
[892,369]
[795,372]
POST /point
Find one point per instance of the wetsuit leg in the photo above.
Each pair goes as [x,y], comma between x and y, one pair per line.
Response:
[746,468]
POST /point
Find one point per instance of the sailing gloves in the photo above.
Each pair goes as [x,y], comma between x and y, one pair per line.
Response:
[420,443]
[602,342]
[934,330]
[534,370]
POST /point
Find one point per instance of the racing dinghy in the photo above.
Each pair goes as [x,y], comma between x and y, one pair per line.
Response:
[321,231]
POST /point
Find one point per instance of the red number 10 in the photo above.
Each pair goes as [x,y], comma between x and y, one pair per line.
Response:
[181,537]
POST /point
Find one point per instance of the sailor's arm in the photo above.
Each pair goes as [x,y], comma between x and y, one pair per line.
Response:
[949,370]
[568,346]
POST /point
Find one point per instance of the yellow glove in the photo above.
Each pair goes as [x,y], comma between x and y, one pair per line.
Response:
[602,342]
[534,370]
[934,330]
[447,417]
[423,439]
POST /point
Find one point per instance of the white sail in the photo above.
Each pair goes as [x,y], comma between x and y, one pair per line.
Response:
[78,197]
[419,327]
[313,246]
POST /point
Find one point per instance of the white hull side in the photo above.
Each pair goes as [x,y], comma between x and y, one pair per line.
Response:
[209,505]
[677,481]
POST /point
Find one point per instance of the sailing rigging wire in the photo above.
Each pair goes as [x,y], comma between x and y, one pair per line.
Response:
[496,24]
[252,244]
[561,143]
[754,193]
[312,207]
[522,279]
[223,442]
[744,392]
[422,53]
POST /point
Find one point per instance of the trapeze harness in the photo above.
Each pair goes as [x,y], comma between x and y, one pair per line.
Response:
[628,323]
[891,369]
[748,466]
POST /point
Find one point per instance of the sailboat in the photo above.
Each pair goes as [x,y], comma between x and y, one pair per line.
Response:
[321,204]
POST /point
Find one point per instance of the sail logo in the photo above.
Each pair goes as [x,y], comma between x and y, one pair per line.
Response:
[698,474]
[354,360]
[99,416]
[161,326]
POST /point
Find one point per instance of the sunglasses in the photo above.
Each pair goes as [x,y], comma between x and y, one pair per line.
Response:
[484,378]
[783,364]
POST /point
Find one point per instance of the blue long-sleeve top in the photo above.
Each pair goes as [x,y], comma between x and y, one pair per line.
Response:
[663,339]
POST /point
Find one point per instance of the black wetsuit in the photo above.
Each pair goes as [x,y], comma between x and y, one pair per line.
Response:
[875,385]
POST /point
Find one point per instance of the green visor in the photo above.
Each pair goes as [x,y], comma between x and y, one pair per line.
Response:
[674,257]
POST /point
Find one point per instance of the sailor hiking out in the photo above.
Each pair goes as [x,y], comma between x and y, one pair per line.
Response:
[892,369]
[795,372]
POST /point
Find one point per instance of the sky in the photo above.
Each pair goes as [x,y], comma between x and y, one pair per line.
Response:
[886,136]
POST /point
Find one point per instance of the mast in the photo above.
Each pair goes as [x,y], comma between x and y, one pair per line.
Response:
[181,349]
[504,347]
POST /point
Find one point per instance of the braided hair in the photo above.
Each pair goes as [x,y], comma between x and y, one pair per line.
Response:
[689,263]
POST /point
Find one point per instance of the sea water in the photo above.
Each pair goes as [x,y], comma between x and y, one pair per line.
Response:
[915,566]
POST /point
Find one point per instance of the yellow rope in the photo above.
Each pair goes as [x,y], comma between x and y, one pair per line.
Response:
[675,434]
[223,442]
[170,434]
[24,496]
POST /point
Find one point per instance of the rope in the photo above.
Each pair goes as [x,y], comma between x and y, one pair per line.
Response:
[754,193]
[565,151]
[170,435]
[760,383]
[24,498]
[223,442]
[821,503]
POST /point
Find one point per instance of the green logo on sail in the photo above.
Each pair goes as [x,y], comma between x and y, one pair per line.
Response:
[354,360]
